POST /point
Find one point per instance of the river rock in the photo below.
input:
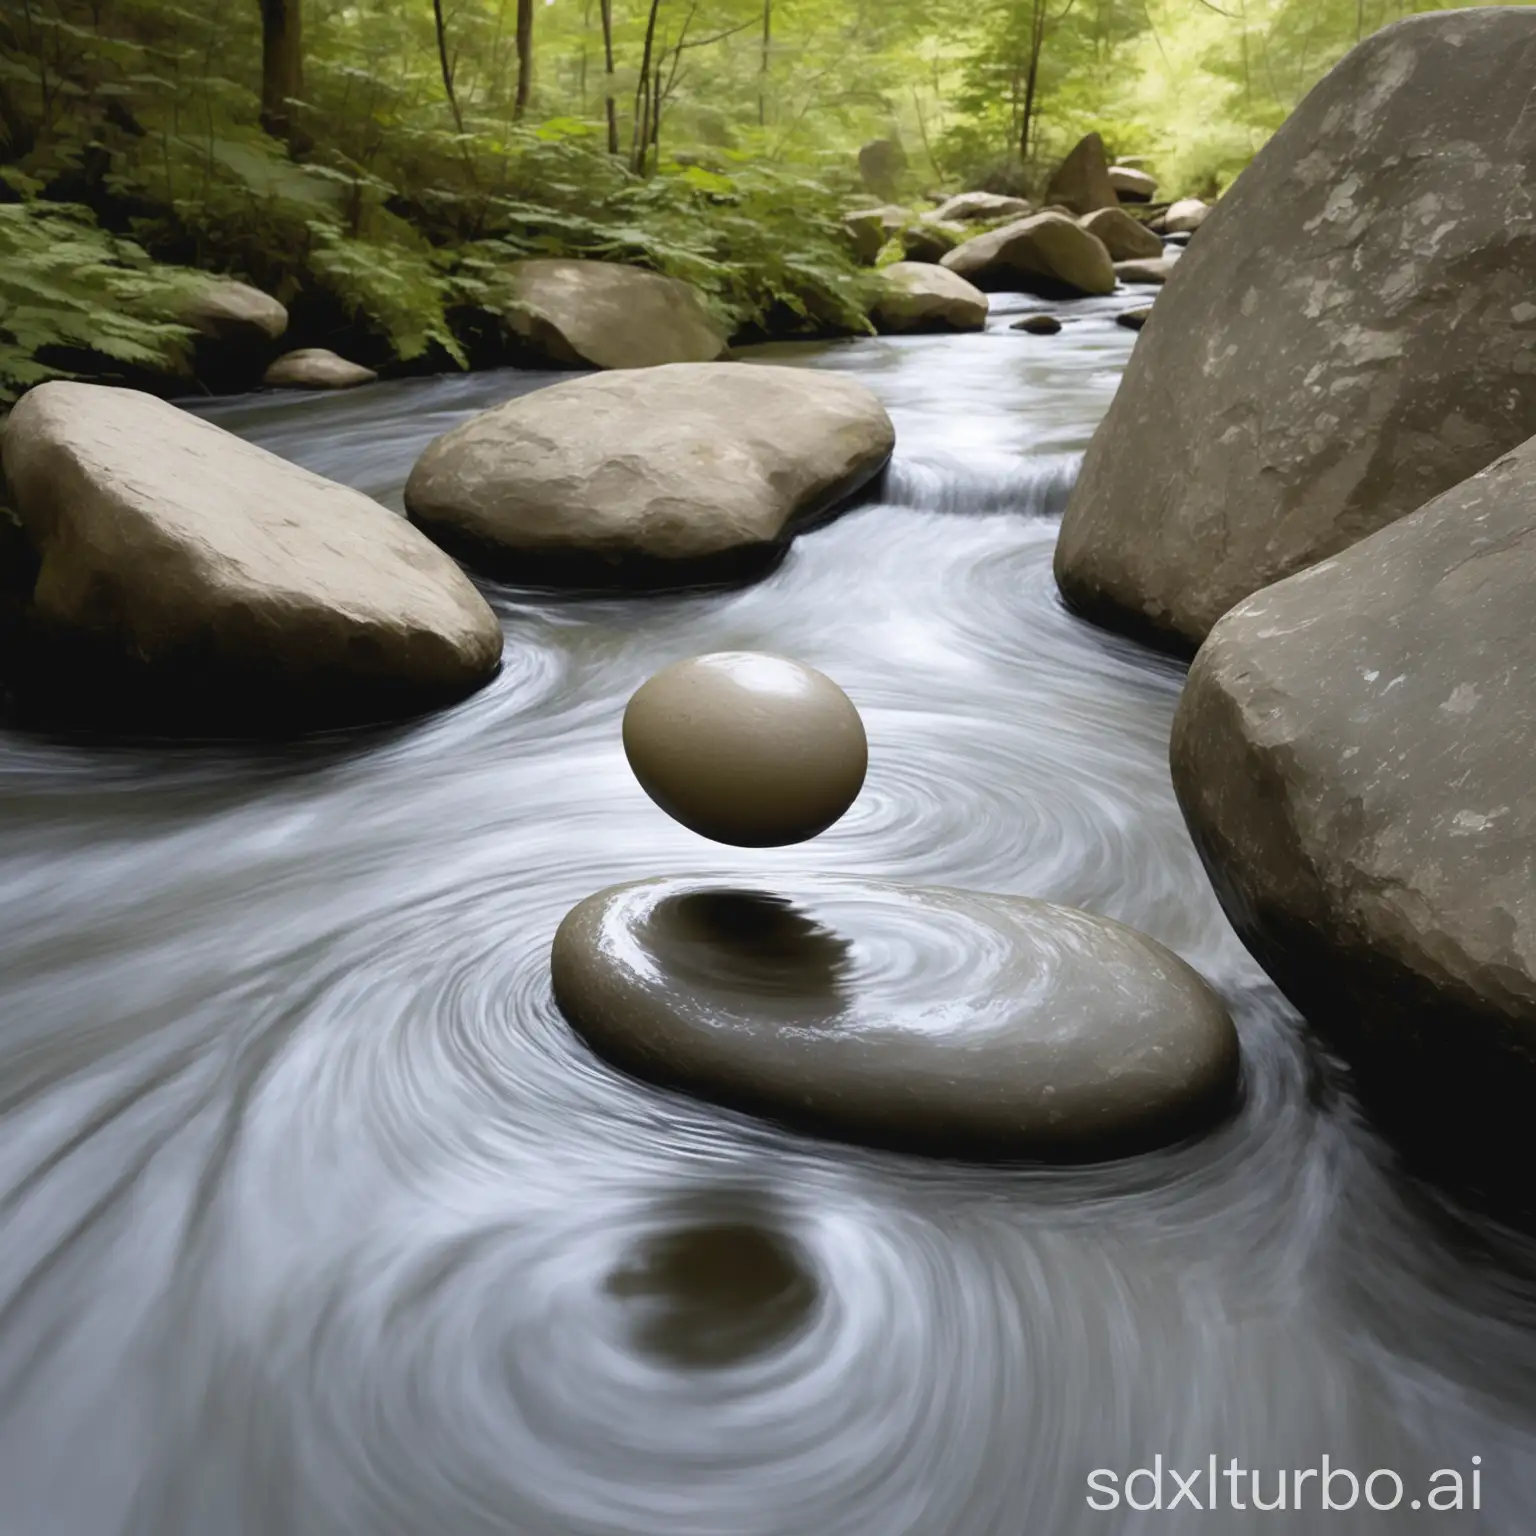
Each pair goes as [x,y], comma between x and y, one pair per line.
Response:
[1351,333]
[866,233]
[1134,319]
[1132,185]
[315,368]
[1124,238]
[1082,182]
[1156,272]
[919,296]
[1355,753]
[184,567]
[605,314]
[928,241]
[1037,325]
[1185,216]
[685,472]
[971,207]
[941,1021]
[235,315]
[744,748]
[1049,254]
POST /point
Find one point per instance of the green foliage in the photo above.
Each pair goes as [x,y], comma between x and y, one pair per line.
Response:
[72,294]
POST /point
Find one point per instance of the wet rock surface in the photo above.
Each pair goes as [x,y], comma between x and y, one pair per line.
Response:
[941,1021]
[650,477]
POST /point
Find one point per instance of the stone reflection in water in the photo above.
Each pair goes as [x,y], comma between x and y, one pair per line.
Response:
[715,1291]
[751,944]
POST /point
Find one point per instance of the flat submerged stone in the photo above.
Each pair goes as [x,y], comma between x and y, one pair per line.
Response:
[928,1019]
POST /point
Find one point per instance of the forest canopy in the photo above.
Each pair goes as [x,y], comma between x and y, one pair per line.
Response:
[377,163]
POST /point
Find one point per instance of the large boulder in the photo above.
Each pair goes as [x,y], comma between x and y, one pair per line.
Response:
[1081,182]
[940,1021]
[187,577]
[604,314]
[1131,184]
[882,164]
[1124,237]
[1350,334]
[1049,254]
[1355,752]
[919,296]
[316,368]
[671,475]
[972,207]
[235,315]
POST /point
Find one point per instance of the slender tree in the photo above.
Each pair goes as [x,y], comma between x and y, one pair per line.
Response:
[282,65]
[762,72]
[610,91]
[444,63]
[524,56]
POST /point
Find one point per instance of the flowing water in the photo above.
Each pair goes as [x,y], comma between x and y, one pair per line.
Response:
[315,1218]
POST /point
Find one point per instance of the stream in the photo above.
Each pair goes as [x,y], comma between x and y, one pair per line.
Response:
[317,1220]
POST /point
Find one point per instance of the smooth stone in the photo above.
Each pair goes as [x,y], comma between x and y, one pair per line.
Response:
[921,296]
[1049,254]
[1156,271]
[1132,185]
[650,477]
[1351,333]
[882,164]
[746,748]
[1134,319]
[315,368]
[607,314]
[234,314]
[1037,325]
[1185,216]
[188,576]
[942,1021]
[1125,238]
[1355,753]
[970,207]
[866,232]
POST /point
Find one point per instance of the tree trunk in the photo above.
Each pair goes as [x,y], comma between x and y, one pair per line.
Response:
[443,63]
[762,74]
[282,65]
[644,91]
[524,56]
[609,94]
[1036,47]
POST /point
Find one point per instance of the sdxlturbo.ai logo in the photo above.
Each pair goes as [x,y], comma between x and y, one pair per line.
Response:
[1242,1488]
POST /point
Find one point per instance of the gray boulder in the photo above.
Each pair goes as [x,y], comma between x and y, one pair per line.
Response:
[940,1021]
[971,207]
[919,296]
[605,314]
[1037,325]
[930,241]
[1049,254]
[1131,184]
[866,233]
[1157,271]
[1355,752]
[1185,216]
[667,475]
[1134,319]
[1081,182]
[1124,238]
[187,574]
[235,315]
[1350,334]
[315,368]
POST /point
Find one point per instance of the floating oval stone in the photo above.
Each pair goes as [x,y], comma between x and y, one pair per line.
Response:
[746,748]
[928,1019]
